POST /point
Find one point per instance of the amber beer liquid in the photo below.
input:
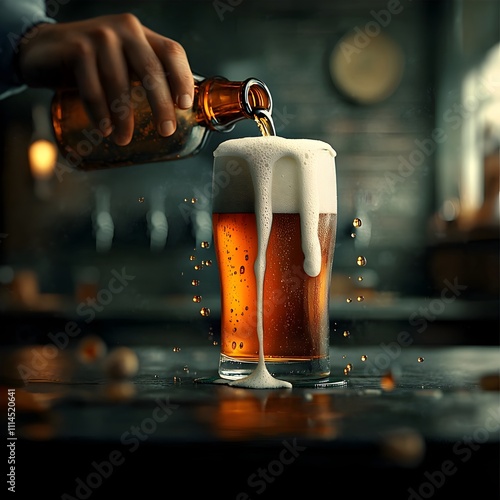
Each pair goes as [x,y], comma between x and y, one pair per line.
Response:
[276,196]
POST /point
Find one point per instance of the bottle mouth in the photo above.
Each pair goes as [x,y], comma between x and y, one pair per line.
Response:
[256,96]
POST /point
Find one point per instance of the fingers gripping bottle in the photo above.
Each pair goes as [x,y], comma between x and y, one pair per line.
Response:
[218,104]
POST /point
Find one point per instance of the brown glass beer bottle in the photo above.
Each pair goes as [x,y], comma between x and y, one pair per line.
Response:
[218,104]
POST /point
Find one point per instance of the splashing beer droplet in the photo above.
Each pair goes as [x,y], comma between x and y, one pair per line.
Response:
[176,349]
[348,300]
[197,298]
[353,235]
[360,278]
[347,333]
[364,357]
[205,311]
[205,244]
[195,282]
[357,222]
[420,359]
[141,199]
[361,261]
[194,200]
[360,298]
[192,257]
[349,367]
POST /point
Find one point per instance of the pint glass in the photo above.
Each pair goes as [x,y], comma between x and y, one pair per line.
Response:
[274,208]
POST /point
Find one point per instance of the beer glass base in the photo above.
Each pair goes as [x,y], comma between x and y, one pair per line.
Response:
[307,369]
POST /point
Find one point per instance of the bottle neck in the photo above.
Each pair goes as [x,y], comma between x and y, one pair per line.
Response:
[223,103]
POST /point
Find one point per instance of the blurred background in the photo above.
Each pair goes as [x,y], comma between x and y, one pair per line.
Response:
[406,91]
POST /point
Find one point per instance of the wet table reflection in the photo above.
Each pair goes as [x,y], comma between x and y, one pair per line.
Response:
[438,418]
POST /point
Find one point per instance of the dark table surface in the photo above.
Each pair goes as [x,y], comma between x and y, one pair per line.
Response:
[393,426]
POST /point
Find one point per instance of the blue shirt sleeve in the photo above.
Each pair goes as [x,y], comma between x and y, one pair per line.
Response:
[17,16]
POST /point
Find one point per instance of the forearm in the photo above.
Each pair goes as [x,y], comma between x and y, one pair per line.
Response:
[17,17]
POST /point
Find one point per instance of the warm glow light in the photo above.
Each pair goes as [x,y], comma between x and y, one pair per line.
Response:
[42,158]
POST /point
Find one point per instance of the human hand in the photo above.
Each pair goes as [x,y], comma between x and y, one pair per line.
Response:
[100,56]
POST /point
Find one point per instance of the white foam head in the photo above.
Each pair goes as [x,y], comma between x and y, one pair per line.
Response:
[303,172]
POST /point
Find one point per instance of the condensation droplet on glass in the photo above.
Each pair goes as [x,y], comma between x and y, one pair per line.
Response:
[141,199]
[205,244]
[197,298]
[364,357]
[205,311]
[420,359]
[242,270]
[195,282]
[361,261]
[357,222]
[360,298]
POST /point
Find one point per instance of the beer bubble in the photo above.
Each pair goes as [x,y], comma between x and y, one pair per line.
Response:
[205,311]
[195,282]
[141,199]
[205,244]
[197,298]
[357,222]
[233,345]
[242,270]
[361,261]
[360,298]
[420,359]
[364,357]
[347,333]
